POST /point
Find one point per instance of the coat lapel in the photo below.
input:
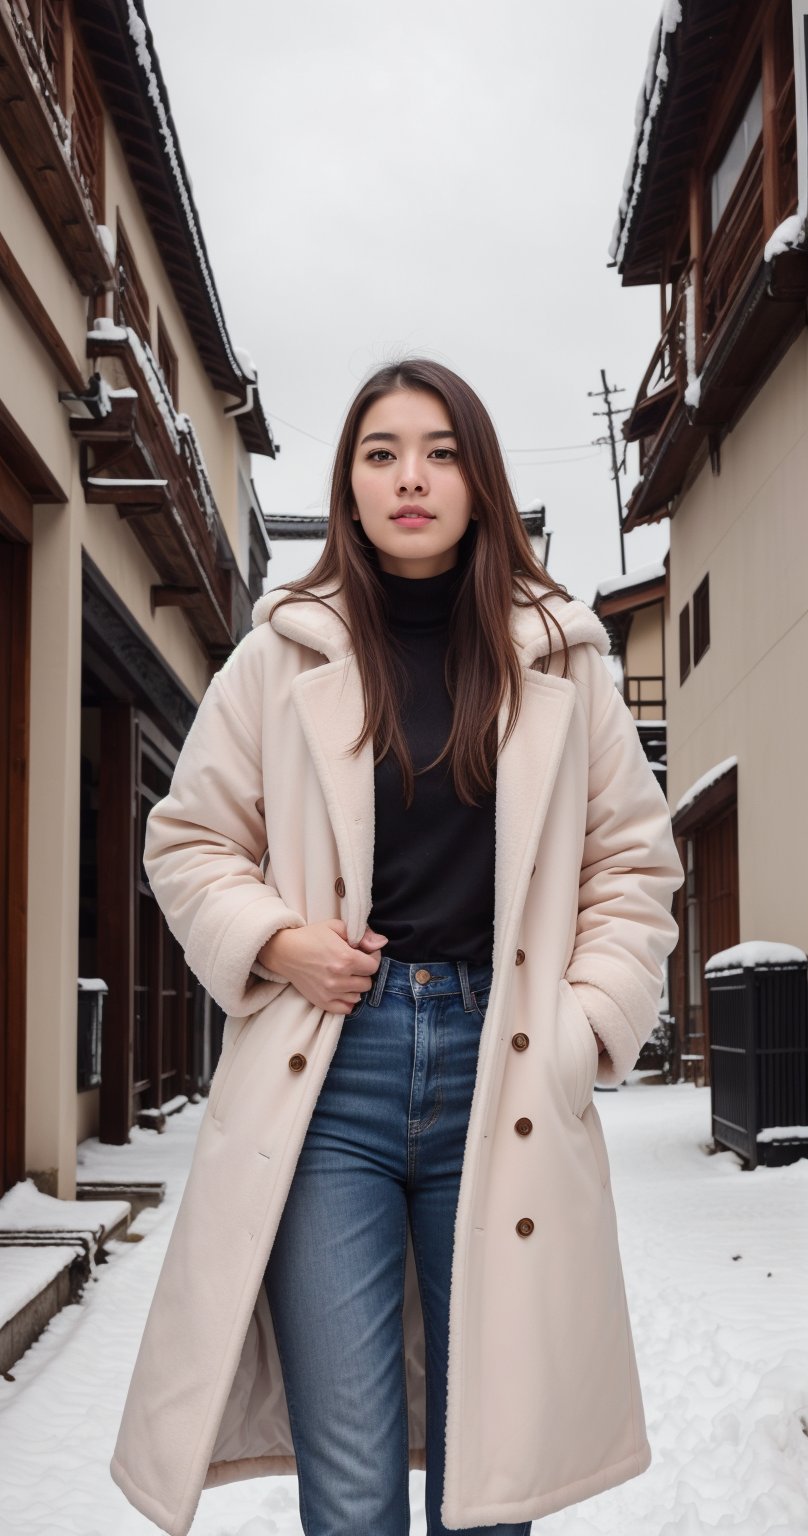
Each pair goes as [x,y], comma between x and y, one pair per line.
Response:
[329,702]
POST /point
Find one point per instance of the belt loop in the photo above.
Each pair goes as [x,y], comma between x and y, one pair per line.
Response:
[463,973]
[377,989]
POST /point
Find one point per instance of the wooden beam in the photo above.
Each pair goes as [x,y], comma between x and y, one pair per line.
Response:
[28,300]
[16,512]
[771,147]
[174,597]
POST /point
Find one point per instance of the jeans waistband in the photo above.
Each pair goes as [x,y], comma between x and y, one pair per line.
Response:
[422,979]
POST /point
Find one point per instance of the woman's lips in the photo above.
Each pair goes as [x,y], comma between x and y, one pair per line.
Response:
[413,517]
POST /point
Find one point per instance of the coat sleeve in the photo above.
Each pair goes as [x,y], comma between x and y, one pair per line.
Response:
[629,871]
[204,848]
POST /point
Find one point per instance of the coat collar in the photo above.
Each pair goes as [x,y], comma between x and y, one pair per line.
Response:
[329,702]
[314,625]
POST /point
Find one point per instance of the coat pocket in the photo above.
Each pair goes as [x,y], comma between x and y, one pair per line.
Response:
[234,1031]
[585,1046]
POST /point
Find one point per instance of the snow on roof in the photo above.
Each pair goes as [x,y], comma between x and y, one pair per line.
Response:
[704,782]
[755,952]
[137,30]
[643,573]
[648,102]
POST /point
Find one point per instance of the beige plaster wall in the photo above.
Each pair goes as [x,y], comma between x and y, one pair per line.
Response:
[41,262]
[748,527]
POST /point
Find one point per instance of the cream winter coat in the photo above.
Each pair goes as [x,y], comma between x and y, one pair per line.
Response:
[269,823]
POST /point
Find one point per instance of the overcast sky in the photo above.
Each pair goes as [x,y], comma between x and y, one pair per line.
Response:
[425,177]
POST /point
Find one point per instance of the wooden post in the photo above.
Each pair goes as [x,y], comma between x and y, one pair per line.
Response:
[697,256]
[15,649]
[116,919]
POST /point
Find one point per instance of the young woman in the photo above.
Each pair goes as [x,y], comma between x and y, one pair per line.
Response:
[414,849]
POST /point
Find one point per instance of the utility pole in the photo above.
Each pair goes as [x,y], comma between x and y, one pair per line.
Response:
[606,394]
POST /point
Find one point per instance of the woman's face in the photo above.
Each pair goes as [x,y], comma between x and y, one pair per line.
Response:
[406,457]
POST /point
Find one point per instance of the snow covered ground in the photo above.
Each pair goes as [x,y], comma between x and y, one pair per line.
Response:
[716,1264]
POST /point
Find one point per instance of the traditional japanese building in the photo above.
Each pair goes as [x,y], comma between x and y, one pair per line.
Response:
[131,548]
[713,213]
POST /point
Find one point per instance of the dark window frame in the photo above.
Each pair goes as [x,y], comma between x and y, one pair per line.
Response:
[167,359]
[701,619]
[684,643]
[131,294]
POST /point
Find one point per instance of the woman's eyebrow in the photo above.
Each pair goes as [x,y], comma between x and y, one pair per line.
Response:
[392,437]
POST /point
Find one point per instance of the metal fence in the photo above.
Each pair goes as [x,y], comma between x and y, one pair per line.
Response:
[759,1060]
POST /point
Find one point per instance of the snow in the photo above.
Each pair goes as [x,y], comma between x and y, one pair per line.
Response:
[92,984]
[704,782]
[24,1208]
[137,31]
[246,364]
[104,326]
[693,392]
[788,234]
[648,103]
[107,240]
[783,1133]
[174,1104]
[108,481]
[716,1268]
[693,389]
[755,952]
[25,1273]
[653,572]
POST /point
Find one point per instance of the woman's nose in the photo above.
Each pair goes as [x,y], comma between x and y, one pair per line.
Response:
[412,476]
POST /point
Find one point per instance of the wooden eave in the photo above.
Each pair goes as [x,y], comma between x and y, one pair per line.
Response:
[122,83]
[642,595]
[761,325]
[32,136]
[696,55]
[188,547]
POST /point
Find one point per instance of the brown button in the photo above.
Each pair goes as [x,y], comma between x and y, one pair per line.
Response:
[520,955]
[520,1042]
[297,1062]
[524,1227]
[339,886]
[524,1126]
[423,975]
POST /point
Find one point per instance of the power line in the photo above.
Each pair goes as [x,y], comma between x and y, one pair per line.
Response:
[554,448]
[301,430]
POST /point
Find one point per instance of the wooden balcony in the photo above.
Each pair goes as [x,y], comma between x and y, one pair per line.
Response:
[731,316]
[144,459]
[54,163]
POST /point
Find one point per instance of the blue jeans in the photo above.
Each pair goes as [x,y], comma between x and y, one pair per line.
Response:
[384,1145]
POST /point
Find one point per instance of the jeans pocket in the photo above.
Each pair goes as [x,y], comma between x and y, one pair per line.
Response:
[481,996]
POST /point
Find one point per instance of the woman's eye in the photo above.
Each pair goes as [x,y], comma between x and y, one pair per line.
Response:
[450,453]
[376,451]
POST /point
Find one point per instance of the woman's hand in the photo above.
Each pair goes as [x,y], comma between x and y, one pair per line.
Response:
[322,965]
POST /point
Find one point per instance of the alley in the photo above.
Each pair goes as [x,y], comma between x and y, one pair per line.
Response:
[716,1263]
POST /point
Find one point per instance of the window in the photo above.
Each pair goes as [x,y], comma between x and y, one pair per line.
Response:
[701,619]
[725,178]
[684,643]
[167,359]
[131,298]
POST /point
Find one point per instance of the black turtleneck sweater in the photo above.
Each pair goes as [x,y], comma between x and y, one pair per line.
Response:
[433,864]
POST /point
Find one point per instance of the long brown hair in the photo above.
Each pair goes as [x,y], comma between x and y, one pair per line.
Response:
[497,559]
